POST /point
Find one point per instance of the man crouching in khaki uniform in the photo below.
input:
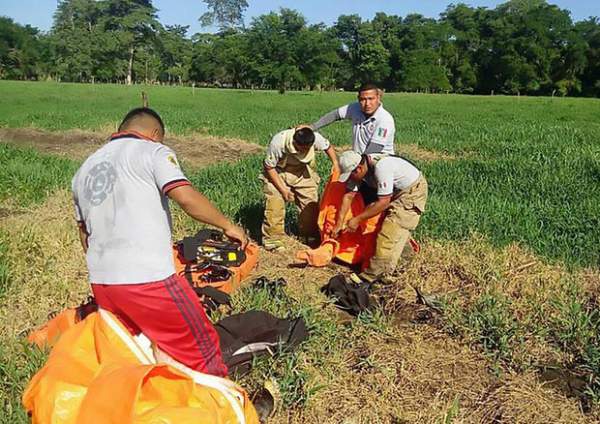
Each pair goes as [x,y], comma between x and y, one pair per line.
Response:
[401,193]
[290,176]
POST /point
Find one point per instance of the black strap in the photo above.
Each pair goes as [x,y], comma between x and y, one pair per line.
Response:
[406,159]
[217,296]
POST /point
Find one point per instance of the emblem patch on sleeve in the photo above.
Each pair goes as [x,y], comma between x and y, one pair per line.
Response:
[173,160]
[382,132]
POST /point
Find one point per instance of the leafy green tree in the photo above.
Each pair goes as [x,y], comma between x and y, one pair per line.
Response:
[77,39]
[203,68]
[465,40]
[363,50]
[589,31]
[226,13]
[132,23]
[20,50]
[523,44]
[175,53]
[272,42]
[317,54]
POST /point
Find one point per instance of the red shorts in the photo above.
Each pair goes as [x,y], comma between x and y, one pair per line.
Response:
[169,313]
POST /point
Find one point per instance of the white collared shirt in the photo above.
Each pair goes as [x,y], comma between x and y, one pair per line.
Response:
[370,135]
[120,194]
[389,175]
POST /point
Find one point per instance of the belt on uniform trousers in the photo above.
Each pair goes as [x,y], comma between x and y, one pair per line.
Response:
[399,193]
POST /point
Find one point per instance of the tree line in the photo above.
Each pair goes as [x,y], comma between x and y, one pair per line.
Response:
[520,47]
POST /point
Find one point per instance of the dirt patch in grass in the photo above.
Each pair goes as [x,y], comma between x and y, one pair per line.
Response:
[378,372]
[195,151]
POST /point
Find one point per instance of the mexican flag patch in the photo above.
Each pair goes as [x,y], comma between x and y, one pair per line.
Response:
[382,132]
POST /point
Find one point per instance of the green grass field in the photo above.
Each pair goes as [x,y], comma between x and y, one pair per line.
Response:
[526,169]
[511,170]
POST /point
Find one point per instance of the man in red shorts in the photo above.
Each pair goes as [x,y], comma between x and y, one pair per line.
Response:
[121,201]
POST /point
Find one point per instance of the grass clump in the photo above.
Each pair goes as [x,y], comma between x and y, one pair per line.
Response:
[493,325]
[5,273]
[18,363]
[27,177]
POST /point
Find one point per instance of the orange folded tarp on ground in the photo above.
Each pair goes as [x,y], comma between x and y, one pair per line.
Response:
[98,373]
[353,248]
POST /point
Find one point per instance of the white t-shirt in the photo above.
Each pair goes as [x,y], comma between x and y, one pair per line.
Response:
[277,148]
[120,194]
[370,135]
[390,175]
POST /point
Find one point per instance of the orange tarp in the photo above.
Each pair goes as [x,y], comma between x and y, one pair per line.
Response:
[98,373]
[49,334]
[350,247]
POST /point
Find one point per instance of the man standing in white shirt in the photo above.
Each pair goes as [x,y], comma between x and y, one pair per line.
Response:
[373,127]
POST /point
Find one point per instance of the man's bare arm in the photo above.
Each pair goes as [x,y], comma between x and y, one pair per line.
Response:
[196,205]
[374,208]
[83,236]
[333,158]
[344,208]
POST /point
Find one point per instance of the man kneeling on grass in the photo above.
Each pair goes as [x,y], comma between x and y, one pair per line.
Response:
[401,193]
[121,195]
[290,176]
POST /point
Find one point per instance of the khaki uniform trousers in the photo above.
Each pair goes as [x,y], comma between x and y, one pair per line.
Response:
[303,181]
[401,217]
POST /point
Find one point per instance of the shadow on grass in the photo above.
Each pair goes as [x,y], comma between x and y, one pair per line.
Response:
[251,217]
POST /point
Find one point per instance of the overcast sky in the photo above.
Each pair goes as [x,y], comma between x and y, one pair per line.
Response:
[39,13]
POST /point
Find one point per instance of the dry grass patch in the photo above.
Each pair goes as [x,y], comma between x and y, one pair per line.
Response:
[48,271]
[523,399]
[368,370]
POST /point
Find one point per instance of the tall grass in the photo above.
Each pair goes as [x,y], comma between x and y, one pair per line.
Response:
[526,169]
[27,177]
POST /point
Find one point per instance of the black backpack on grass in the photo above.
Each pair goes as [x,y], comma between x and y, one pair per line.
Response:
[349,296]
[254,333]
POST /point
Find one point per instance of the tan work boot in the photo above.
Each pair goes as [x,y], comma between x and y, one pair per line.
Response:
[273,245]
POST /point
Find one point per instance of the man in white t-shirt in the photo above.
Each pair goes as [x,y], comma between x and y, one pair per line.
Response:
[121,195]
[289,175]
[373,127]
[401,195]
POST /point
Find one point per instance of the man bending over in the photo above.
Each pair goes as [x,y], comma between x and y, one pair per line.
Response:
[121,195]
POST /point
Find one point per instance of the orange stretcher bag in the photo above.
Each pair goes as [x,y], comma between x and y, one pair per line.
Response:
[97,372]
[223,269]
[352,248]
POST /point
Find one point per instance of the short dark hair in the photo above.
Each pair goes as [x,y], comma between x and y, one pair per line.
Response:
[139,112]
[304,136]
[366,86]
